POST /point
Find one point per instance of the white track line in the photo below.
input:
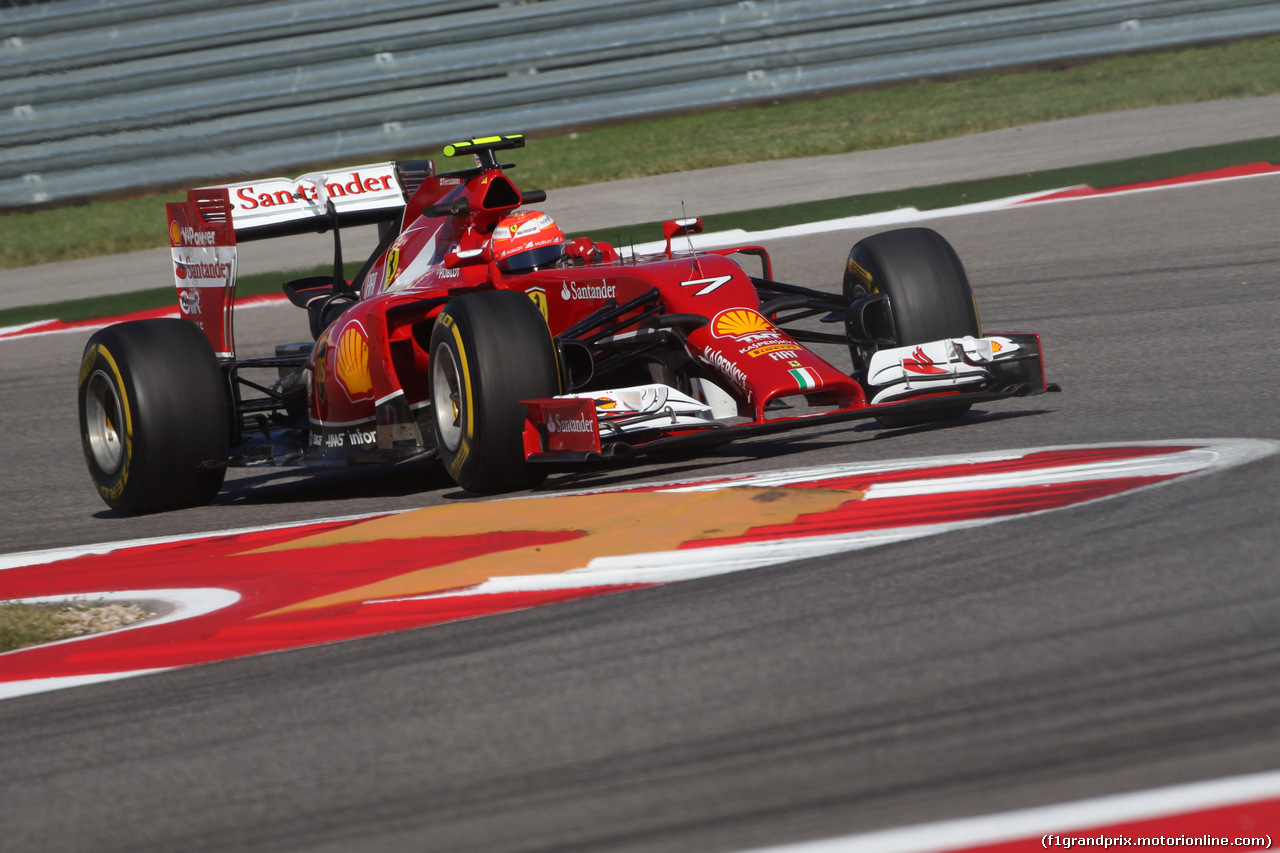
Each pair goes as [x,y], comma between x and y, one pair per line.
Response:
[904,216]
[1074,817]
[688,564]
[737,236]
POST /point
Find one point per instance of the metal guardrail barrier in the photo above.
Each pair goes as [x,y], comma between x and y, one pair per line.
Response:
[114,96]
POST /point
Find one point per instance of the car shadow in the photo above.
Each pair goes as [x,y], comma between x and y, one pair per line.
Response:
[316,485]
[302,485]
[685,463]
[974,417]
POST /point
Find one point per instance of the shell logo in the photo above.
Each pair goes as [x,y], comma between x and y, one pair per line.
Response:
[175,233]
[736,322]
[352,366]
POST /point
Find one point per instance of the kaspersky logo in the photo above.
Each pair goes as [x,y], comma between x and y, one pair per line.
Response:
[728,367]
[919,362]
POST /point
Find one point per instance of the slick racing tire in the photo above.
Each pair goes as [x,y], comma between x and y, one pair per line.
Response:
[489,351]
[155,415]
[929,298]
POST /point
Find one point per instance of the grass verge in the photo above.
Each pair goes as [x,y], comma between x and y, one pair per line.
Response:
[27,625]
[23,625]
[1100,176]
[860,120]
[115,304]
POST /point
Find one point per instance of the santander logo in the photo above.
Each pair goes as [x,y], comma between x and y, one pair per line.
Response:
[581,423]
[336,186]
[587,291]
[201,270]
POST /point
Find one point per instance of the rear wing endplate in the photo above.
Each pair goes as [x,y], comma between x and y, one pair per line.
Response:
[203,243]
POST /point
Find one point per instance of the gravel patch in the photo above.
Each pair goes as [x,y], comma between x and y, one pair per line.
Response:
[80,619]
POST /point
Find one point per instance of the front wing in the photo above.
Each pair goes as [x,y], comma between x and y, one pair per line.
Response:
[912,381]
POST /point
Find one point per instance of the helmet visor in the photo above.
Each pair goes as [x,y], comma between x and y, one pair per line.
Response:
[532,259]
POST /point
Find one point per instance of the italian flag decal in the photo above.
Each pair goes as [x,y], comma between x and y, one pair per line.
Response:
[805,378]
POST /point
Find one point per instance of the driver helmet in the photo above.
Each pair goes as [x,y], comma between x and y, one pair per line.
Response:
[526,241]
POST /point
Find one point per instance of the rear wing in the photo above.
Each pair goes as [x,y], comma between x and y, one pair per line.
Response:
[204,230]
[362,195]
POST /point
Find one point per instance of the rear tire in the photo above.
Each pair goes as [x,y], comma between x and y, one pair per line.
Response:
[489,351]
[155,415]
[929,299]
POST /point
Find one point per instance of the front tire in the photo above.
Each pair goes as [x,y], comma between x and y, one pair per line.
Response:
[155,415]
[929,298]
[489,351]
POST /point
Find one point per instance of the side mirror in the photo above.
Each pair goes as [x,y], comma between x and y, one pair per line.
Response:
[466,258]
[679,228]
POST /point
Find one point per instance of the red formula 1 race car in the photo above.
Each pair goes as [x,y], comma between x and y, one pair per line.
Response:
[478,333]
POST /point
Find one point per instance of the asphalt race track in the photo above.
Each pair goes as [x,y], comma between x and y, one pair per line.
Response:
[1109,647]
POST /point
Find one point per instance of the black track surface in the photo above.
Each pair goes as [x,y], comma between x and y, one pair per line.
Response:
[1105,648]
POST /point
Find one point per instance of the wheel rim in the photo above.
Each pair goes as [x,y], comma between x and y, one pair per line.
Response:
[446,397]
[104,421]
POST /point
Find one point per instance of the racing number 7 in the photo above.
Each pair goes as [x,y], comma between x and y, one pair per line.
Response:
[711,283]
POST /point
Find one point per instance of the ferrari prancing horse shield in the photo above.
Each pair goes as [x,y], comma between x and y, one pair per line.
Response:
[539,297]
